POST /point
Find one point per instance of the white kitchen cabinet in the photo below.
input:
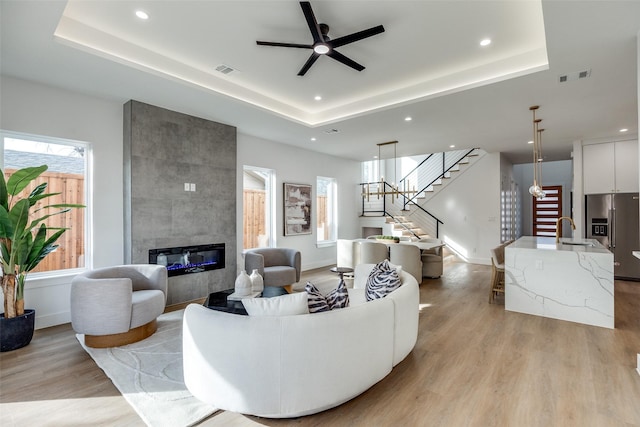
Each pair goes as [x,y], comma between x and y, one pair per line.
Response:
[610,167]
[626,166]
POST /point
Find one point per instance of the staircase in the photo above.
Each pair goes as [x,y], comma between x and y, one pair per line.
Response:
[401,226]
[404,214]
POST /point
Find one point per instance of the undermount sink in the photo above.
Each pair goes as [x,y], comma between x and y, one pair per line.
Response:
[576,242]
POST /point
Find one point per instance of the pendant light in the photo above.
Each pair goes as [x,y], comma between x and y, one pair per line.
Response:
[383,188]
[536,189]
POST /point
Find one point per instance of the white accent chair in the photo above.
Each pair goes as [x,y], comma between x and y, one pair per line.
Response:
[432,259]
[366,252]
[114,306]
[409,257]
[344,253]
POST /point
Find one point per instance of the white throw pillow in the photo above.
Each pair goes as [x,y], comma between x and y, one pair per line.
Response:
[284,305]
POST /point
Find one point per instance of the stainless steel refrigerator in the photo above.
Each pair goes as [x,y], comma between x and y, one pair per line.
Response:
[613,220]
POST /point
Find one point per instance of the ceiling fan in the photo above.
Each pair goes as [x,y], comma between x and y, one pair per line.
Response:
[322,44]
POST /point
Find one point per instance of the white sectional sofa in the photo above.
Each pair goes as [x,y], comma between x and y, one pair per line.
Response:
[289,366]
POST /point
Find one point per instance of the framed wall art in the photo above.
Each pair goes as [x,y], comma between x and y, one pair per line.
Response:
[297,209]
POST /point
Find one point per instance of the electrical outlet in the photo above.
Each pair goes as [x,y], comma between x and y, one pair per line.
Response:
[539,264]
[186,186]
[193,187]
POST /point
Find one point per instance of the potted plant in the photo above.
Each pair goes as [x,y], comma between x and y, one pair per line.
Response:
[25,240]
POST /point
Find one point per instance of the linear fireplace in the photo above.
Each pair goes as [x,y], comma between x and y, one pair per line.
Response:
[189,259]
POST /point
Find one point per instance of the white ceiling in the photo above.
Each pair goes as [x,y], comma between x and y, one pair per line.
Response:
[427,64]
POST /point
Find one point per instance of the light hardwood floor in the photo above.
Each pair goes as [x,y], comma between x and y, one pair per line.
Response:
[474,365]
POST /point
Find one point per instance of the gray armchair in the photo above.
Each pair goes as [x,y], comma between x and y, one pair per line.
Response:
[278,267]
[114,306]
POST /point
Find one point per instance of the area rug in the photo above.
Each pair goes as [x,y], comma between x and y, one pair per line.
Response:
[149,375]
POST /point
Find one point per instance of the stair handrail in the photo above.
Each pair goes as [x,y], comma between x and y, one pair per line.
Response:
[411,199]
[416,168]
[403,225]
[438,221]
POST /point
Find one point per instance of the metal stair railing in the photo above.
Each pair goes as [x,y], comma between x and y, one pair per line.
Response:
[432,169]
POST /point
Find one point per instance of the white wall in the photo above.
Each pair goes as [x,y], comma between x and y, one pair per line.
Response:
[300,166]
[43,110]
[470,208]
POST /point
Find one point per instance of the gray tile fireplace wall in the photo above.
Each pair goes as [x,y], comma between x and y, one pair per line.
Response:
[163,150]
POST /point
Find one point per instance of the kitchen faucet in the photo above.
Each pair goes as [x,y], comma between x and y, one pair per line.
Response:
[573,226]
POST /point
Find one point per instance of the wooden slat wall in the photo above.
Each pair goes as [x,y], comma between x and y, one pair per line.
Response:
[70,253]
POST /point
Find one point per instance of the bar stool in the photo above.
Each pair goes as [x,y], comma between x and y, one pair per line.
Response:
[497,272]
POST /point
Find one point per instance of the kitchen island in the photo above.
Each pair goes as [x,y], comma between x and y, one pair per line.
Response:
[570,280]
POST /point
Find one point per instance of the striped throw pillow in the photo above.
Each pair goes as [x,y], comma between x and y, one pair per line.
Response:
[337,298]
[317,302]
[382,280]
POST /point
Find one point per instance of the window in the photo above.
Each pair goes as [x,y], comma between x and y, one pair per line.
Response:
[257,207]
[67,174]
[326,219]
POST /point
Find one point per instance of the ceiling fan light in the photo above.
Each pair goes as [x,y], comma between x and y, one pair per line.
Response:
[321,48]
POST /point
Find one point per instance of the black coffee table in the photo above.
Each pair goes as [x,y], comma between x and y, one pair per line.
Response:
[218,300]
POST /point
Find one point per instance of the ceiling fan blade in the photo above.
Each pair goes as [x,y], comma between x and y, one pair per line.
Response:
[341,41]
[346,61]
[311,21]
[301,46]
[313,58]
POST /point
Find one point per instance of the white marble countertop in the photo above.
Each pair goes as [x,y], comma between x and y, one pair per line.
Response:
[560,281]
[566,244]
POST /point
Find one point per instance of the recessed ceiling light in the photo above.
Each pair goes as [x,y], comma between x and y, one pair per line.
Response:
[452,146]
[530,142]
[624,130]
[313,138]
[317,98]
[142,14]
[485,42]
[407,119]
[375,157]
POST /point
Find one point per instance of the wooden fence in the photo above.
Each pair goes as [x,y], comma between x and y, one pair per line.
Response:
[70,253]
[253,221]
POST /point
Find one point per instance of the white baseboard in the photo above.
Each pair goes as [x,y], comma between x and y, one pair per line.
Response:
[54,319]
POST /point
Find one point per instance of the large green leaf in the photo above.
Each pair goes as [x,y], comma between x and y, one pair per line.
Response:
[37,221]
[5,257]
[6,227]
[19,180]
[18,218]
[37,245]
[21,249]
[38,255]
[4,197]
[38,193]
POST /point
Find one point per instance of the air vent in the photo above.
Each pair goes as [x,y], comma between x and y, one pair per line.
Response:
[225,69]
[330,131]
[577,75]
